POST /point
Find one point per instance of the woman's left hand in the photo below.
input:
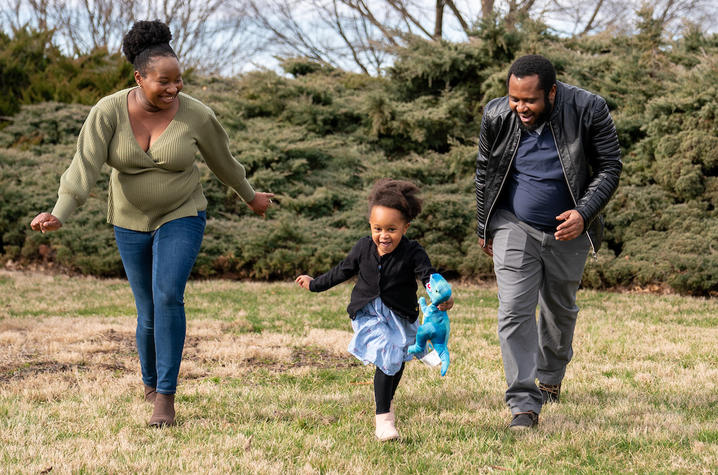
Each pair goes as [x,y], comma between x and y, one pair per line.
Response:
[444,306]
[261,202]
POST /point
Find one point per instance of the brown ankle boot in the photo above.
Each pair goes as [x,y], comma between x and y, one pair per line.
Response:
[150,393]
[164,411]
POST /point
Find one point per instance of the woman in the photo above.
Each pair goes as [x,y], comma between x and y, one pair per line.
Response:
[149,135]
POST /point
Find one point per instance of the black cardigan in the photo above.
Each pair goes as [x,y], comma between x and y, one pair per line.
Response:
[392,276]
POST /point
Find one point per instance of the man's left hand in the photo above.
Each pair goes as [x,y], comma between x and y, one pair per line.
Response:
[572,225]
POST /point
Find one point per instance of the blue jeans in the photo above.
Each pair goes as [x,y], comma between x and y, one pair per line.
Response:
[158,264]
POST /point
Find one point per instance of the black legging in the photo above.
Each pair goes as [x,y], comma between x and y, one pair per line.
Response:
[384,389]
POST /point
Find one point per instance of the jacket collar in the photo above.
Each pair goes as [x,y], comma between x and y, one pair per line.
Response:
[558,100]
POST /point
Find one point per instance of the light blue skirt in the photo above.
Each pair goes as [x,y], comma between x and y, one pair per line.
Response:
[381,337]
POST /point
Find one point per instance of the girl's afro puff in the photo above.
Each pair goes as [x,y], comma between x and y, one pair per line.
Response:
[397,194]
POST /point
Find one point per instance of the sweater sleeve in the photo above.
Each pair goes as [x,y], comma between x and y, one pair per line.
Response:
[422,265]
[213,144]
[84,170]
[341,272]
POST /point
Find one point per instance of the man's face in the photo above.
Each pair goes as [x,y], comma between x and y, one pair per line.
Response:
[529,102]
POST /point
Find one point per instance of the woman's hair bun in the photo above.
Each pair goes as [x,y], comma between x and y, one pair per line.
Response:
[143,35]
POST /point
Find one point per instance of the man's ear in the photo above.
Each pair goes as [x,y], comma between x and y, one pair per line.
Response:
[552,94]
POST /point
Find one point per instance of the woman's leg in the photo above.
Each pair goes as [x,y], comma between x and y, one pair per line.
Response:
[175,248]
[136,252]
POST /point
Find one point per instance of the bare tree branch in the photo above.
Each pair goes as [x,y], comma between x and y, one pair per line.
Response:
[439,19]
[361,7]
[348,42]
[459,16]
[401,8]
[589,23]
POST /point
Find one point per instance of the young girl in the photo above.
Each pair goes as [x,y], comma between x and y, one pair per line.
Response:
[383,305]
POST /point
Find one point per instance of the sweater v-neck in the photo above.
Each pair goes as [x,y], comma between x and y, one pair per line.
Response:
[132,131]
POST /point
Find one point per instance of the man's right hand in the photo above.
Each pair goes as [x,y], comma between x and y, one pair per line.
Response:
[45,222]
[487,247]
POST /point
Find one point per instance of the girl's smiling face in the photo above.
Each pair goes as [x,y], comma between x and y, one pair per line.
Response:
[388,225]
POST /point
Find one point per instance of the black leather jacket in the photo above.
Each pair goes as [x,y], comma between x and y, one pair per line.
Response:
[587,147]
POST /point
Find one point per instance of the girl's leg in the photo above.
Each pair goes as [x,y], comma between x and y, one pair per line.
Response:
[384,389]
[136,252]
[396,379]
[175,248]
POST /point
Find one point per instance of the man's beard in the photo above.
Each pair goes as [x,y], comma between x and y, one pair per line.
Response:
[541,119]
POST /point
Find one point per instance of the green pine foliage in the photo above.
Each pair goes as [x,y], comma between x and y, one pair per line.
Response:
[319,137]
[32,70]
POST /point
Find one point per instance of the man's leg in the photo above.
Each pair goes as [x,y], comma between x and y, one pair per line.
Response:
[563,267]
[518,275]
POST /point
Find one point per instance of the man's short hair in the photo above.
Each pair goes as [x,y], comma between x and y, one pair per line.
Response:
[534,64]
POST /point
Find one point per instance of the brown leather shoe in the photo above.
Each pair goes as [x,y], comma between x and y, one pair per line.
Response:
[164,411]
[550,392]
[150,393]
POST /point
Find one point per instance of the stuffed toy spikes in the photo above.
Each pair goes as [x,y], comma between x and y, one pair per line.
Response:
[436,322]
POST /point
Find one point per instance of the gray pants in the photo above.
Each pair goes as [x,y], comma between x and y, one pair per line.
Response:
[532,268]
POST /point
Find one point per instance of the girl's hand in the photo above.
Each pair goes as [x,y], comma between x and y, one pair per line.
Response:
[45,222]
[261,202]
[303,281]
[444,306]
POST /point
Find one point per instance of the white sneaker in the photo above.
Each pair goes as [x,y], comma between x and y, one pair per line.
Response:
[385,428]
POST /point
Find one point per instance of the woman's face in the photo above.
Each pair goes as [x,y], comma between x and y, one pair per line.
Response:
[161,83]
[387,227]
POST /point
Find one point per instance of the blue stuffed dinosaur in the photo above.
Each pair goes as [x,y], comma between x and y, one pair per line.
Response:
[436,322]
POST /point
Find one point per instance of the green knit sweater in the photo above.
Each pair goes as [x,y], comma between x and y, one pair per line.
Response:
[148,189]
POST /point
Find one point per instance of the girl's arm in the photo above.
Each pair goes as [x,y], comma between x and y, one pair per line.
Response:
[423,270]
[346,269]
[303,281]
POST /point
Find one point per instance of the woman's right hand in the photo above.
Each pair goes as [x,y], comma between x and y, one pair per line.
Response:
[261,202]
[45,222]
[303,281]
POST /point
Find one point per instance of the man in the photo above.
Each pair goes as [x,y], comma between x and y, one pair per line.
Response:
[548,163]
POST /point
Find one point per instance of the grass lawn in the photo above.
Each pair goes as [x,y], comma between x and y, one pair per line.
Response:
[267,386]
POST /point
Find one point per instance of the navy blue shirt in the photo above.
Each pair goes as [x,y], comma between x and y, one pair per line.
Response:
[536,190]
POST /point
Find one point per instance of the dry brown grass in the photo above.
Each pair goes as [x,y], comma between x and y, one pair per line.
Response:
[266,386]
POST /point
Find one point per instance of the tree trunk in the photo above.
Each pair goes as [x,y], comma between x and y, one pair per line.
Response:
[439,20]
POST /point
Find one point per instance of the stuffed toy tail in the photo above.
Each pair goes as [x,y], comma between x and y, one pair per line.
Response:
[443,356]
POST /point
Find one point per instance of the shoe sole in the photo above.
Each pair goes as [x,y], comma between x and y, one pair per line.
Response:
[520,428]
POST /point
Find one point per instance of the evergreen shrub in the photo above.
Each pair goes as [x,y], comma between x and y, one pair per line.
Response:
[320,138]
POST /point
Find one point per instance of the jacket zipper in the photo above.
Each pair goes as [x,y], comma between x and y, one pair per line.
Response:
[508,170]
[568,185]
